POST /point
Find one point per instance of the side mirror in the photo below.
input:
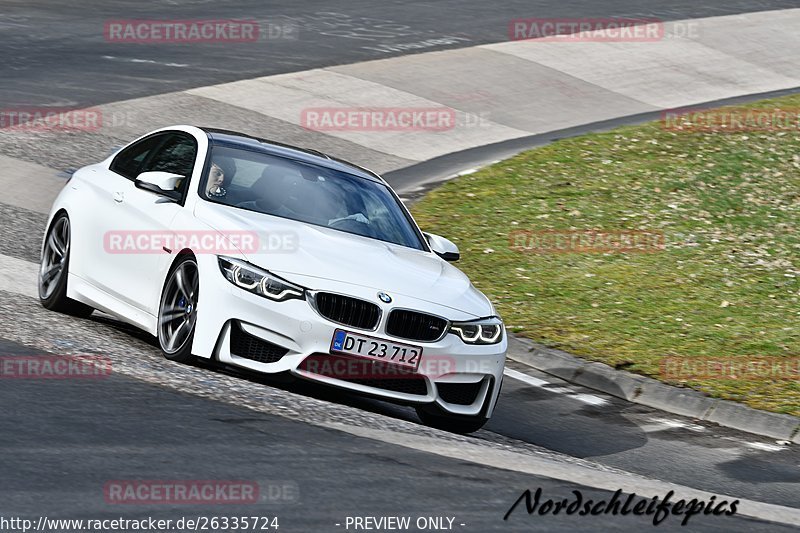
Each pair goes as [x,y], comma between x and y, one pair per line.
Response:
[163,183]
[443,247]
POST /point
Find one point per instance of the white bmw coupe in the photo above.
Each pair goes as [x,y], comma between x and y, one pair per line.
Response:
[277,259]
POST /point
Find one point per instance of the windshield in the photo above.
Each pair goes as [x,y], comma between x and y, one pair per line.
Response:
[307,193]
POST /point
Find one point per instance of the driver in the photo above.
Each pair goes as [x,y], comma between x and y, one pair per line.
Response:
[216,177]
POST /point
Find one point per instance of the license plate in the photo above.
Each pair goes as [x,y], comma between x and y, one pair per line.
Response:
[405,355]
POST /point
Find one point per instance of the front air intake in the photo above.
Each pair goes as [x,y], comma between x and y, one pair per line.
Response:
[245,345]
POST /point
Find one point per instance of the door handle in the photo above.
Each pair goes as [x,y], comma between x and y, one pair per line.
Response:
[119,196]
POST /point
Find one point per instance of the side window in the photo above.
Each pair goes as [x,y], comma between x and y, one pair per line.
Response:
[176,155]
[128,162]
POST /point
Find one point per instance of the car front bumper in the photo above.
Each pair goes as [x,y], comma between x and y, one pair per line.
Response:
[239,328]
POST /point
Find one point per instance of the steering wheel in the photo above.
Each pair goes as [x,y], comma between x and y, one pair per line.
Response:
[353,226]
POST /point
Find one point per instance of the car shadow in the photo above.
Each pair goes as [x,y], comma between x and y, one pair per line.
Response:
[283,381]
[533,415]
[562,423]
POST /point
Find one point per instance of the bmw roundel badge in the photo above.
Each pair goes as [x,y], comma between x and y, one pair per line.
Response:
[385,298]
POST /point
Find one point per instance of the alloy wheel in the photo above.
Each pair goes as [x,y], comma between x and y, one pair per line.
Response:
[54,257]
[178,311]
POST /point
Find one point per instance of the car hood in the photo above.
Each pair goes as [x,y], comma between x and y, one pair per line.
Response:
[304,253]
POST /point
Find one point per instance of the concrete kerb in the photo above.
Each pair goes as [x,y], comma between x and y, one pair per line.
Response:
[652,393]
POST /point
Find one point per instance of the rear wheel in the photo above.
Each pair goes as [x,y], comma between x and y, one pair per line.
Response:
[177,313]
[54,269]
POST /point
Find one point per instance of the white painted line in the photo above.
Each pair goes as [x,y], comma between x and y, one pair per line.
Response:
[760,446]
[560,390]
[653,428]
[671,422]
[662,424]
[18,276]
[590,399]
[150,61]
[525,378]
[764,447]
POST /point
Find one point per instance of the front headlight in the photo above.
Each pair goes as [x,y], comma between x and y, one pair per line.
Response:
[482,331]
[258,281]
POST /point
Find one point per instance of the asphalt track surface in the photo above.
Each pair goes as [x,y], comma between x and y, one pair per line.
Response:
[72,438]
[55,53]
[62,440]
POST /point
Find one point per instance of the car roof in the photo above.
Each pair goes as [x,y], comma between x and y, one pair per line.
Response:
[306,155]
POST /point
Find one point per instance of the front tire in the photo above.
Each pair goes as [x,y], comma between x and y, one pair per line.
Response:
[177,313]
[54,271]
